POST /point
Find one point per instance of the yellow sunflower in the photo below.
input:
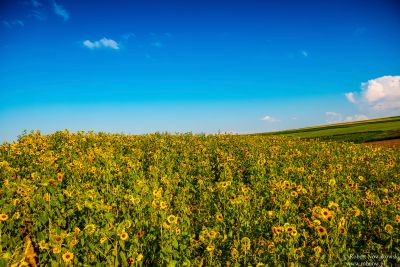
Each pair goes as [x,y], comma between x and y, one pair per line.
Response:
[321,230]
[246,243]
[317,250]
[172,219]
[163,205]
[219,217]
[210,248]
[389,228]
[67,256]
[124,236]
[3,217]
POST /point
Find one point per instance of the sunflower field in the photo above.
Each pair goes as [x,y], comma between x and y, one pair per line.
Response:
[96,199]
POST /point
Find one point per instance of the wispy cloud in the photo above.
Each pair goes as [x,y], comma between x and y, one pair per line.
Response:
[381,95]
[36,3]
[334,117]
[129,35]
[350,97]
[102,43]
[268,118]
[12,23]
[60,11]
[304,53]
[157,44]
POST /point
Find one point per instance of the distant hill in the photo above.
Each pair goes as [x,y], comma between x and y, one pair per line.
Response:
[358,132]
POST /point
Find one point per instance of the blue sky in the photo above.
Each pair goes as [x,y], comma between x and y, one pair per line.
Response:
[200,66]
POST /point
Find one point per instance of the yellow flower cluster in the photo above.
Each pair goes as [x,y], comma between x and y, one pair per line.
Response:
[90,199]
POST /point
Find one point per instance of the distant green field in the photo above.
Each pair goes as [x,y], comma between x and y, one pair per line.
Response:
[358,132]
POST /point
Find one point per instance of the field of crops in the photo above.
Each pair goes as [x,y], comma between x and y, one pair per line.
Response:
[356,131]
[196,200]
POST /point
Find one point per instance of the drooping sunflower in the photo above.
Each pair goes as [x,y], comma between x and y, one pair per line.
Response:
[270,248]
[140,234]
[298,253]
[234,253]
[177,231]
[246,243]
[57,238]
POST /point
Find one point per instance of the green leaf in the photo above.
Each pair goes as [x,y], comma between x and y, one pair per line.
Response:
[108,216]
[172,263]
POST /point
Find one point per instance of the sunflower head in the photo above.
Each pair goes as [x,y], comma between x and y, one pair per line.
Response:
[321,230]
[246,243]
[67,257]
[60,177]
[317,250]
[124,236]
[234,253]
[210,248]
[397,219]
[389,228]
[219,217]
[163,205]
[172,219]
[3,217]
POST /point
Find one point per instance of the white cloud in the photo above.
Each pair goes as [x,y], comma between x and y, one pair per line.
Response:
[350,97]
[381,95]
[102,43]
[60,11]
[334,117]
[356,117]
[269,119]
[15,22]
